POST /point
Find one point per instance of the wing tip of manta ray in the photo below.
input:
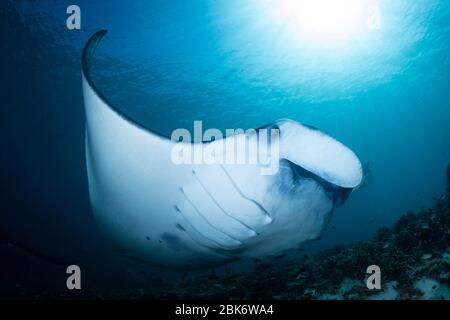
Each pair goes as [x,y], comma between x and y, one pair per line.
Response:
[89,50]
[86,60]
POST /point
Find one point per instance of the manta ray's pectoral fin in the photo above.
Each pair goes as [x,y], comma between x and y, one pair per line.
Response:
[270,197]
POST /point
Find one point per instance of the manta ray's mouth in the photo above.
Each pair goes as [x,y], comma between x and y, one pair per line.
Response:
[336,193]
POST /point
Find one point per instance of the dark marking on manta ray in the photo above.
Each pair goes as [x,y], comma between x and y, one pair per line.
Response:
[180,227]
[174,242]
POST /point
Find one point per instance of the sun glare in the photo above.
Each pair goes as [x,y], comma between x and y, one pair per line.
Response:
[325,19]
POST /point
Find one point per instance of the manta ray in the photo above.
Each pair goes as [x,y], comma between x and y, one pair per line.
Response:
[189,216]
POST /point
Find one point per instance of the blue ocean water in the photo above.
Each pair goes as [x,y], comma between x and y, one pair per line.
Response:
[230,64]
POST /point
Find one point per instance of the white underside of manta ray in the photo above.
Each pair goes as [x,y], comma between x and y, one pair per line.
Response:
[188,216]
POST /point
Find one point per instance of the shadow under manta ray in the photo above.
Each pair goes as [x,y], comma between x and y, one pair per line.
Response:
[191,215]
